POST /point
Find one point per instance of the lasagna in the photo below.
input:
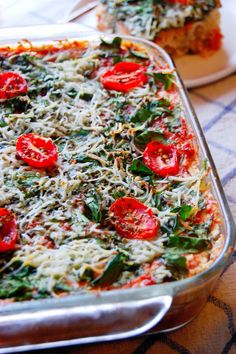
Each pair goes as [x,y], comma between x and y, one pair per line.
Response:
[179,26]
[101,185]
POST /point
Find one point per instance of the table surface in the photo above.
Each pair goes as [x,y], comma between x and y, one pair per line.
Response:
[213,331]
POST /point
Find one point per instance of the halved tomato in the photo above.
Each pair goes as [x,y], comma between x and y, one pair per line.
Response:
[8,230]
[36,151]
[161,159]
[133,219]
[124,76]
[12,84]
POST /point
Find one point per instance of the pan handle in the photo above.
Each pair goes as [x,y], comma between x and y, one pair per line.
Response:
[80,324]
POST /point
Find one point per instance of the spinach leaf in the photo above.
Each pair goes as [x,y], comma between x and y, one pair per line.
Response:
[170,225]
[148,135]
[27,179]
[185,244]
[166,79]
[112,271]
[139,168]
[177,261]
[151,110]
[17,285]
[94,209]
[115,43]
[72,93]
[141,115]
[118,194]
[2,122]
[86,96]
[87,275]
[201,230]
[84,158]
[184,211]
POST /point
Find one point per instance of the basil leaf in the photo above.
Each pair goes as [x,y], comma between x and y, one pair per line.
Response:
[139,168]
[115,43]
[149,135]
[184,211]
[166,79]
[112,271]
[94,210]
[185,244]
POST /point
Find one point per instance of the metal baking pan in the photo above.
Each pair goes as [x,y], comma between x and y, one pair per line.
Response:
[116,314]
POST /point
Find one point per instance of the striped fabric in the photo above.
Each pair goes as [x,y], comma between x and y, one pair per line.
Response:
[213,331]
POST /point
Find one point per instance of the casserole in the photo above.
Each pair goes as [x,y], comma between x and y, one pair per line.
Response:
[82,316]
[180,27]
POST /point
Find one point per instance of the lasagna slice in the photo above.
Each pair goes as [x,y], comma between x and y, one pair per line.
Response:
[179,26]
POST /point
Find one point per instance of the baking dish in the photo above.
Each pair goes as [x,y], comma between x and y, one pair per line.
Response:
[115,314]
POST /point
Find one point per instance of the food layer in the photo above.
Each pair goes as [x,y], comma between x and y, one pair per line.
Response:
[101,186]
[180,27]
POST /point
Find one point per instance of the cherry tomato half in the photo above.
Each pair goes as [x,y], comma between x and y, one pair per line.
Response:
[161,159]
[8,230]
[133,219]
[36,151]
[124,76]
[12,84]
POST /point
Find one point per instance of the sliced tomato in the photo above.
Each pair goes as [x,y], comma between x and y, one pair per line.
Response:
[161,159]
[124,76]
[133,219]
[8,230]
[12,84]
[36,151]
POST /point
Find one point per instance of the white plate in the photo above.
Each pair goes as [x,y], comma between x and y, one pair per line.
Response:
[195,70]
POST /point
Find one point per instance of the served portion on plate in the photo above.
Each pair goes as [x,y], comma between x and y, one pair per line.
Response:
[179,26]
[101,185]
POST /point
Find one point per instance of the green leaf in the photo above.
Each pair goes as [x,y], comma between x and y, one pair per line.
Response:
[148,135]
[185,244]
[176,260]
[139,168]
[72,93]
[86,96]
[201,230]
[112,271]
[166,79]
[115,43]
[142,115]
[118,194]
[92,203]
[28,179]
[2,123]
[17,285]
[184,211]
[170,225]
[151,110]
